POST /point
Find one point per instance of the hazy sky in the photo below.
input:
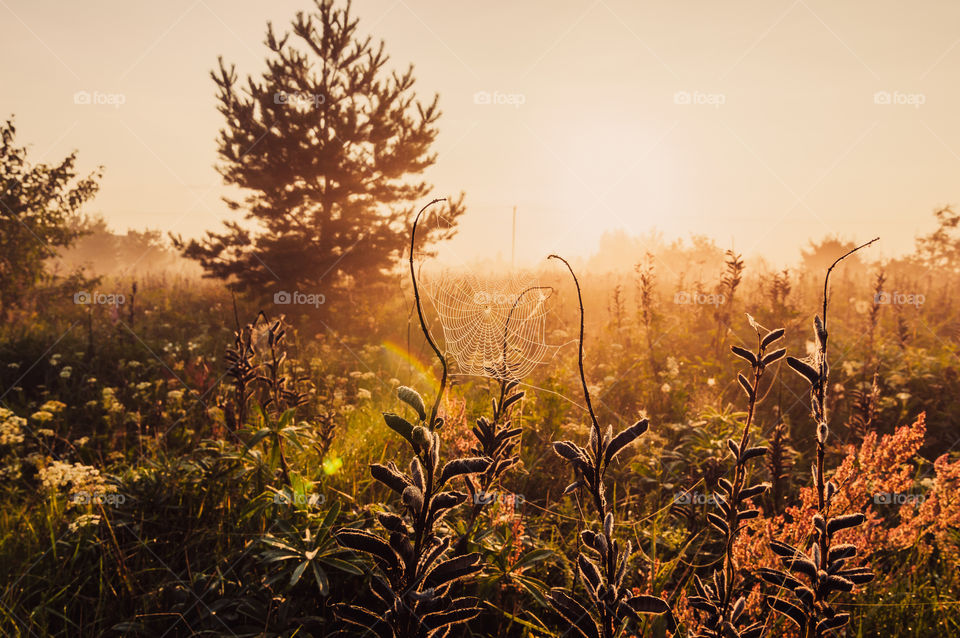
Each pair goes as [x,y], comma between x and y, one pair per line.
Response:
[758,123]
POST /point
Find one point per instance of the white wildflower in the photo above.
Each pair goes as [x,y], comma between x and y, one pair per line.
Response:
[83,521]
[11,430]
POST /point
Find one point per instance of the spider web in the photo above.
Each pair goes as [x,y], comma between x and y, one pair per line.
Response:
[493,326]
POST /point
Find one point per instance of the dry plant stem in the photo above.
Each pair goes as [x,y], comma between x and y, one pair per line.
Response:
[820,403]
[423,323]
[602,561]
[421,528]
[598,495]
[416,583]
[820,409]
[824,567]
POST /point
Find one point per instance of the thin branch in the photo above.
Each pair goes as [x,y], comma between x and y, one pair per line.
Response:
[826,280]
[423,323]
[583,379]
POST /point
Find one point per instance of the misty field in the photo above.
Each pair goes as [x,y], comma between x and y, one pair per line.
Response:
[178,461]
[671,349]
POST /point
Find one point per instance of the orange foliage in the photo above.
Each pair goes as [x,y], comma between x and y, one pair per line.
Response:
[866,479]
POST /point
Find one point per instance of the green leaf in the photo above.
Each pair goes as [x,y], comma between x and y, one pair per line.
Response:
[331,517]
[259,436]
[323,583]
[532,557]
[298,572]
[342,565]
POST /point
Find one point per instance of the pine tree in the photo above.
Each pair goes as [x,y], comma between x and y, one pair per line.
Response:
[328,147]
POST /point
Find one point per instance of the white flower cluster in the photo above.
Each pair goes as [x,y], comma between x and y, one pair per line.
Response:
[109,400]
[83,521]
[73,479]
[11,427]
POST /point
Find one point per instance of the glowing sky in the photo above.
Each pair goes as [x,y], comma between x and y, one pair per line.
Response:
[784,137]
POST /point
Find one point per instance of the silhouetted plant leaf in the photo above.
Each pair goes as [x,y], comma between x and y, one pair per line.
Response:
[784,550]
[743,353]
[833,582]
[804,566]
[838,523]
[778,578]
[412,398]
[829,624]
[804,369]
[399,425]
[789,610]
[441,619]
[752,492]
[391,522]
[742,380]
[510,400]
[734,448]
[459,467]
[751,453]
[645,604]
[773,357]
[453,569]
[625,438]
[390,477]
[574,613]
[857,575]
[369,544]
[590,571]
[567,450]
[840,552]
[718,522]
[772,336]
[446,500]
